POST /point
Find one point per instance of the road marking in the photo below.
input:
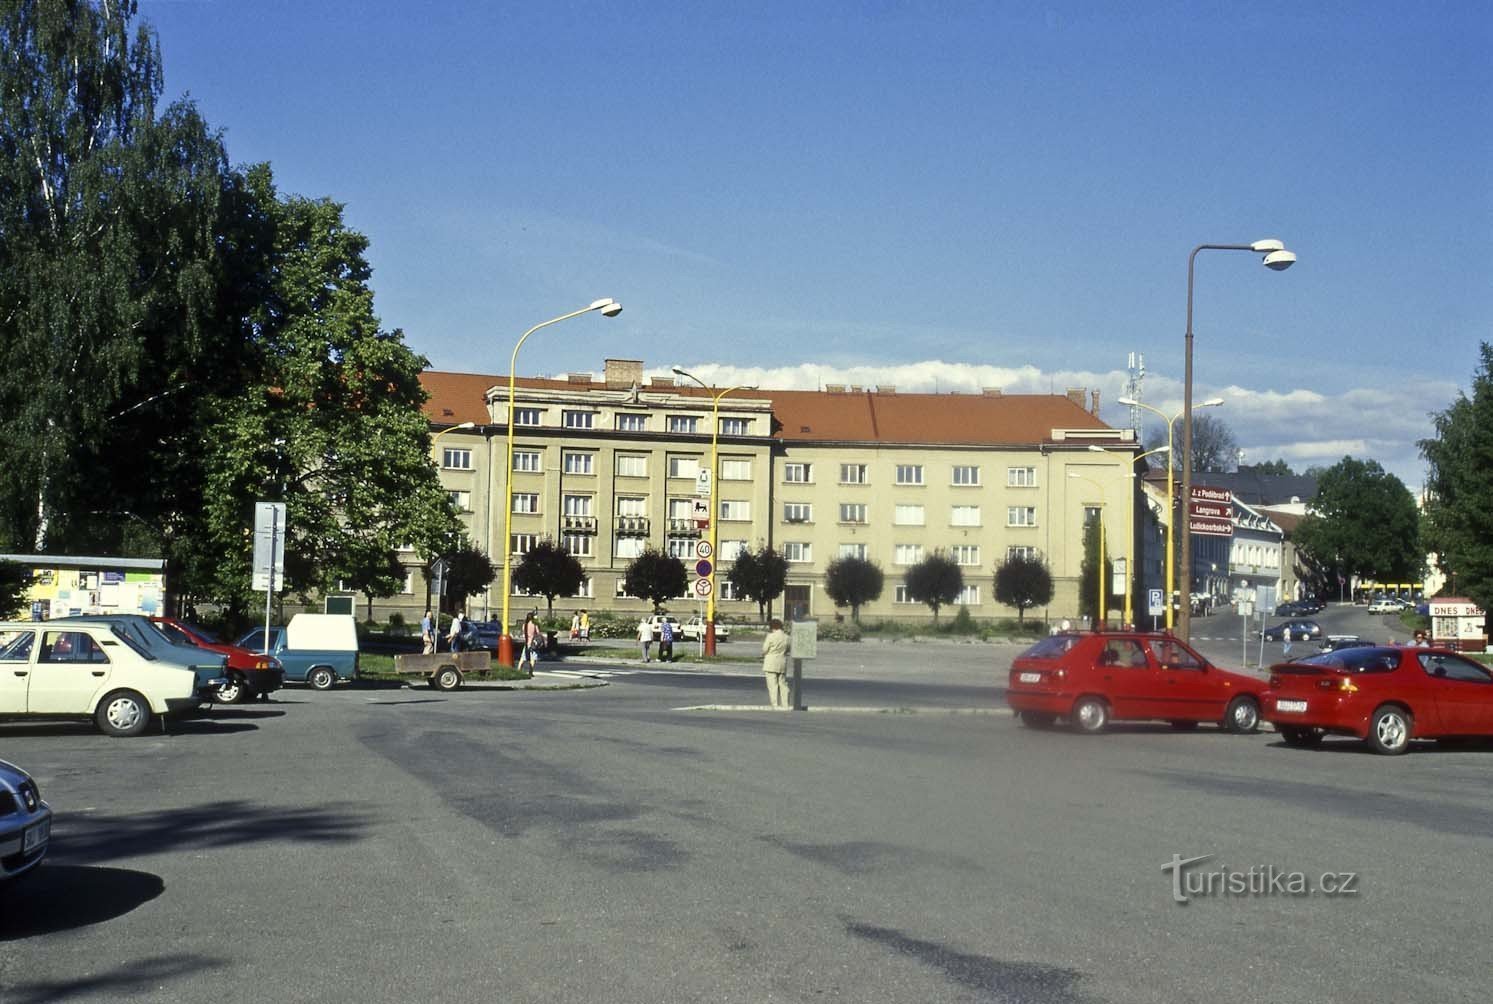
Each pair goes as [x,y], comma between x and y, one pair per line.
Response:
[1000,712]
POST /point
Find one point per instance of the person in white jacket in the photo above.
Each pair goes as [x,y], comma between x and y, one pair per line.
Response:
[645,636]
[775,664]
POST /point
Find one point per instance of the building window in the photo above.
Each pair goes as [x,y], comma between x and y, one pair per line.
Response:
[738,510]
[969,596]
[1023,551]
[852,512]
[628,547]
[629,466]
[736,470]
[853,551]
[409,584]
[967,555]
[797,474]
[579,463]
[579,419]
[908,515]
[798,512]
[461,500]
[578,544]
[731,549]
[632,505]
[1021,477]
[736,426]
[852,474]
[681,509]
[684,423]
[1021,515]
[798,551]
[899,594]
[966,475]
[454,459]
[684,467]
[526,461]
[965,515]
[682,548]
[727,590]
[631,422]
[909,474]
[577,505]
[525,416]
[522,543]
[587,589]
[907,554]
[525,502]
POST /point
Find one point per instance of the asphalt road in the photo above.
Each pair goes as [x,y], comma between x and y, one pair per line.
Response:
[602,845]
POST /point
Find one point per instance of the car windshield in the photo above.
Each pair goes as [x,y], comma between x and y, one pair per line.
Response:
[1051,647]
[1358,660]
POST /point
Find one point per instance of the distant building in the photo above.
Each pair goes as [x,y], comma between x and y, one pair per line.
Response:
[67,585]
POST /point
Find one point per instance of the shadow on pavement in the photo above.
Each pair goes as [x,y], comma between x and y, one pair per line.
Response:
[56,898]
[141,976]
[93,838]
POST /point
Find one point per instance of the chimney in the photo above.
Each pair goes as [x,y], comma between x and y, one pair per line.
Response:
[991,391]
[584,378]
[1094,407]
[1075,394]
[623,373]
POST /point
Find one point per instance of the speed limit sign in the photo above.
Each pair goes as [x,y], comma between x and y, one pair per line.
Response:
[703,549]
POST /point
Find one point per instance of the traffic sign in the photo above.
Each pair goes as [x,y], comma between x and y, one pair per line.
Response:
[704,550]
[269,546]
[703,568]
[703,587]
[702,483]
[1157,605]
[699,509]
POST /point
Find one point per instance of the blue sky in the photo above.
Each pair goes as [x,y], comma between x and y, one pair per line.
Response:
[922,194]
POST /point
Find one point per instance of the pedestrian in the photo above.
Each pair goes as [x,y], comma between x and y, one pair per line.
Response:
[665,641]
[645,636]
[533,642]
[575,626]
[1421,640]
[585,626]
[775,663]
[427,634]
[453,639]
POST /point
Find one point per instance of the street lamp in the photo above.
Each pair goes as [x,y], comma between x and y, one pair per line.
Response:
[1275,257]
[608,308]
[715,554]
[1171,499]
[1102,617]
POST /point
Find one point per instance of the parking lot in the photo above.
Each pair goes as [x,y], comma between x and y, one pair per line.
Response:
[391,844]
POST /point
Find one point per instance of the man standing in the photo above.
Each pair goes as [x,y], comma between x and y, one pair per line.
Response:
[427,634]
[775,664]
[454,638]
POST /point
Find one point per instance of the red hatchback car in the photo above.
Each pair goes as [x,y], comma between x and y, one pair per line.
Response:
[1384,695]
[250,674]
[1093,679]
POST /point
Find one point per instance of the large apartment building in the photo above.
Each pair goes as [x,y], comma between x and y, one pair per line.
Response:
[608,466]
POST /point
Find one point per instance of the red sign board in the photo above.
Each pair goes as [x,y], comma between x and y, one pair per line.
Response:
[1211,511]
[1210,526]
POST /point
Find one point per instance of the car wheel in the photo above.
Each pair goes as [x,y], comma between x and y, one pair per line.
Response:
[123,713]
[1389,730]
[1242,715]
[1185,726]
[1302,738]
[1037,719]
[233,692]
[447,678]
[1090,715]
[321,678]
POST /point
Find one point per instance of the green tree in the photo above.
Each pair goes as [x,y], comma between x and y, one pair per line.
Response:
[655,577]
[760,576]
[1459,514]
[549,570]
[1363,521]
[1277,468]
[109,269]
[1088,575]
[852,582]
[15,580]
[1023,583]
[468,572]
[936,581]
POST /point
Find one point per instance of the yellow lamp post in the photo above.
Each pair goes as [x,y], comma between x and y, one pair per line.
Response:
[608,308]
[715,509]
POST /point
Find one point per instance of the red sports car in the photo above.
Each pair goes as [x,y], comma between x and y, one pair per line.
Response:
[250,674]
[1384,695]
[1092,679]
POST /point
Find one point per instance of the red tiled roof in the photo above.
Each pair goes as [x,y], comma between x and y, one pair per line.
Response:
[820,416]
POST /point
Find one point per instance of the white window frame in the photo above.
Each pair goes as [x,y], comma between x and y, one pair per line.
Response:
[736,426]
[632,505]
[576,419]
[679,462]
[522,459]
[624,461]
[1023,551]
[632,421]
[1021,515]
[910,474]
[907,514]
[964,515]
[798,473]
[731,550]
[577,505]
[736,469]
[899,594]
[907,554]
[735,511]
[799,552]
[682,548]
[969,595]
[853,513]
[856,550]
[798,512]
[578,462]
[456,458]
[522,543]
[683,425]
[628,547]
[523,499]
[966,555]
[580,545]
[528,416]
[965,476]
[461,499]
[855,474]
[1021,477]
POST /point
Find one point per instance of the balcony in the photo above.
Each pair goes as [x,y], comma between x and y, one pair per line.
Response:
[631,526]
[683,528]
[578,524]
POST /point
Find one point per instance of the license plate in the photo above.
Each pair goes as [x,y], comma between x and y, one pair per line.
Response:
[1030,678]
[36,836]
[1288,706]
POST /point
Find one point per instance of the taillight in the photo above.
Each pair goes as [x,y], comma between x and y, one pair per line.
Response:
[1274,682]
[1341,684]
[1059,674]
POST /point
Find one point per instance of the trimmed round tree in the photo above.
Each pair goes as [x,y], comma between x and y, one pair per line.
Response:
[655,577]
[1023,583]
[936,581]
[852,582]
[550,570]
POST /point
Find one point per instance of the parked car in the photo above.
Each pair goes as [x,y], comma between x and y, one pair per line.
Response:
[315,649]
[694,630]
[1094,678]
[1294,630]
[1292,608]
[210,668]
[1384,606]
[1384,695]
[74,669]
[1334,642]
[251,675]
[25,822]
[657,621]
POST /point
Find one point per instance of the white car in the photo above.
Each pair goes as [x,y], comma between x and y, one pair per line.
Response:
[1385,607]
[25,822]
[94,670]
[657,622]
[694,630]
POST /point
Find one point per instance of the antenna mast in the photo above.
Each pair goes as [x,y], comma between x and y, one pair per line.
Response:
[1137,366]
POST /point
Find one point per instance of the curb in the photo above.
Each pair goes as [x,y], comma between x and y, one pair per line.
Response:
[995,712]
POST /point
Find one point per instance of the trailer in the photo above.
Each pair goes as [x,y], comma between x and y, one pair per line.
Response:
[443,670]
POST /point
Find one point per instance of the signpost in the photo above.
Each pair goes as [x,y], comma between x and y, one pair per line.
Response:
[269,555]
[702,483]
[1211,511]
[804,642]
[1155,605]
